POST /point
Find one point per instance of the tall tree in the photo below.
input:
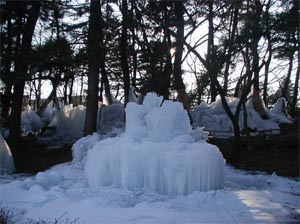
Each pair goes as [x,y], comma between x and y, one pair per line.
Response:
[21,69]
[211,53]
[179,85]
[94,66]
[123,48]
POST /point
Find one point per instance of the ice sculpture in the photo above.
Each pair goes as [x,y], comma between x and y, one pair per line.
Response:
[157,153]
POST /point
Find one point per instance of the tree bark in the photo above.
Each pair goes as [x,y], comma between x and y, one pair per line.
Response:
[90,124]
[123,47]
[104,76]
[296,86]
[21,67]
[7,62]
[211,54]
[134,54]
[270,51]
[288,77]
[49,98]
[230,48]
[179,85]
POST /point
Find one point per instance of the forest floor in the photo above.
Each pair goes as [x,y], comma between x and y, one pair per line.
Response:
[273,153]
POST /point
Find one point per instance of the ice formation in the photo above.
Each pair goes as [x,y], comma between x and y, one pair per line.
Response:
[110,117]
[157,153]
[214,118]
[279,113]
[30,121]
[69,121]
[6,159]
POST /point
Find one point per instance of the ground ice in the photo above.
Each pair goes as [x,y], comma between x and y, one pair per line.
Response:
[158,153]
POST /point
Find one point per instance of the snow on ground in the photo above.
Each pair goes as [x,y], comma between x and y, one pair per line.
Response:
[63,192]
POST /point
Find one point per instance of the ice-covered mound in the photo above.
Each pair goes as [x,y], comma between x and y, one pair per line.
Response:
[158,153]
[111,117]
[69,121]
[6,159]
[279,113]
[214,118]
[30,121]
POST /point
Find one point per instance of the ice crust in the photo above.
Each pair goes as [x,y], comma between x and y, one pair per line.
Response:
[157,153]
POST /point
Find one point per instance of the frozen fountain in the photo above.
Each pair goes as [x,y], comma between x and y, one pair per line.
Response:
[158,152]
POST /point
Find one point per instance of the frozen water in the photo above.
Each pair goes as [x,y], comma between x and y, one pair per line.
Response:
[158,153]
[80,148]
[214,118]
[69,121]
[111,116]
[132,97]
[178,167]
[30,121]
[278,113]
[167,122]
[6,159]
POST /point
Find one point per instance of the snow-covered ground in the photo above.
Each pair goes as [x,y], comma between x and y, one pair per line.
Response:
[62,192]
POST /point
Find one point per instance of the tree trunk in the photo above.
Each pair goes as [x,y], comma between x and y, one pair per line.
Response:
[230,48]
[288,78]
[90,124]
[212,71]
[21,67]
[71,91]
[104,76]
[267,64]
[66,93]
[179,85]
[123,47]
[134,54]
[7,62]
[296,87]
[49,98]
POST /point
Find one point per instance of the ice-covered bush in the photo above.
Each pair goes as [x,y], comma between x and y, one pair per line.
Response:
[158,153]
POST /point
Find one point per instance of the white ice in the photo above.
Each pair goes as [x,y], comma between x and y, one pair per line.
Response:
[214,118]
[30,121]
[156,153]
